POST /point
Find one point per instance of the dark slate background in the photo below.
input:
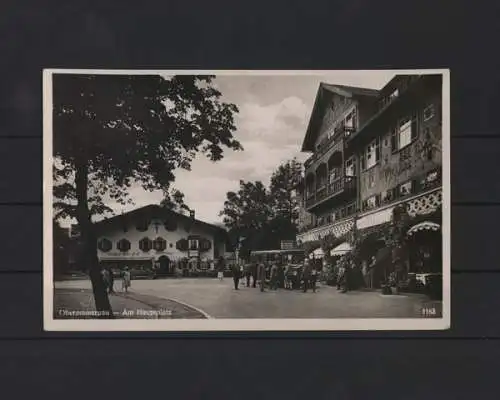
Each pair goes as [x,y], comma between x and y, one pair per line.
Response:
[356,34]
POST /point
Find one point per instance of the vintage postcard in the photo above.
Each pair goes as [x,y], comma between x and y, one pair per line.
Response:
[246,200]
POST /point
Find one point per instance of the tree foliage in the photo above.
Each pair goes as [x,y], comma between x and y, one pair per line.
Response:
[113,131]
[258,218]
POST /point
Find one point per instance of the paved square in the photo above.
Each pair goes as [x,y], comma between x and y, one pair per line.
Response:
[218,299]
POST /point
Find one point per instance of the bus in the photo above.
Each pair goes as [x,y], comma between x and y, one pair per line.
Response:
[289,256]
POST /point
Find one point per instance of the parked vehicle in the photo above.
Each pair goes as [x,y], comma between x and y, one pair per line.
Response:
[293,276]
[141,273]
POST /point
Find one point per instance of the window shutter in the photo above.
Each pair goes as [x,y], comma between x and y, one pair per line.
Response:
[414,128]
[377,150]
[363,161]
[394,141]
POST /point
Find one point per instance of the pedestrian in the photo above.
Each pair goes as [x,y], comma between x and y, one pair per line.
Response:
[306,274]
[281,275]
[125,279]
[111,281]
[221,264]
[248,273]
[261,275]
[274,276]
[236,276]
[105,279]
[254,269]
[314,275]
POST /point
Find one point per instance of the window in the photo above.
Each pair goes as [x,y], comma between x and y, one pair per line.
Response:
[350,121]
[350,167]
[123,245]
[371,202]
[406,188]
[429,112]
[387,196]
[371,181]
[104,245]
[404,134]
[334,175]
[393,95]
[371,155]
[160,244]
[145,244]
[193,244]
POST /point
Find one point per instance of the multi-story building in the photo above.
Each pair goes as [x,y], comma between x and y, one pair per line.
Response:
[330,190]
[388,155]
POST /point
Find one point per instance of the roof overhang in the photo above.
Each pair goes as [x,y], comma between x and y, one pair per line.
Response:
[315,119]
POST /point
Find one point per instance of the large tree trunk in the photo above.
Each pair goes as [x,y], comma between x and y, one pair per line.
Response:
[89,254]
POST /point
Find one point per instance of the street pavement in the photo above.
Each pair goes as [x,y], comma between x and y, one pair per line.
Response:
[218,299]
[70,303]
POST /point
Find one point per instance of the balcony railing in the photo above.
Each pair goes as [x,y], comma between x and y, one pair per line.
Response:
[343,213]
[327,144]
[334,188]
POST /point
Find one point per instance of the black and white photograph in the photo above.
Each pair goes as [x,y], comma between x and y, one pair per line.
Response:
[228,200]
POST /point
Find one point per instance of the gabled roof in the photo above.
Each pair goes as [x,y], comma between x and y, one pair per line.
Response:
[316,117]
[350,91]
[156,211]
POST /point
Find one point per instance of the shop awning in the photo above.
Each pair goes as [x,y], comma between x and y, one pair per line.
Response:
[341,249]
[423,226]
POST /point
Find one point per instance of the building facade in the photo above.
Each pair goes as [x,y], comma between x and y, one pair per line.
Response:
[388,155]
[155,237]
[330,189]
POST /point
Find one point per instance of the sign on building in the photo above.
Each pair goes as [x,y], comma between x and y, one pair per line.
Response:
[288,245]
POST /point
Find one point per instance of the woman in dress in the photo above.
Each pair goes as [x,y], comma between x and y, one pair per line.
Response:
[125,279]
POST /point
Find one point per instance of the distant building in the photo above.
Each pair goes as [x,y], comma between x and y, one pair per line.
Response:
[154,236]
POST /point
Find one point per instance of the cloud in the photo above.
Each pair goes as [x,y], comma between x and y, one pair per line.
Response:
[270,134]
[271,124]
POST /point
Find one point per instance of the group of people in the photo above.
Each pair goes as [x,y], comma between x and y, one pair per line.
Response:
[109,279]
[349,276]
[276,272]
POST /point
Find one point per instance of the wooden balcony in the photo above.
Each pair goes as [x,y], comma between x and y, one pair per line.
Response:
[329,191]
[327,144]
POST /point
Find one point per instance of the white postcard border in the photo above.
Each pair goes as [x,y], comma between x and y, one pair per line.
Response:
[239,324]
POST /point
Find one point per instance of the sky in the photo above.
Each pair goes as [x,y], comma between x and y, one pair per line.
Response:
[273,115]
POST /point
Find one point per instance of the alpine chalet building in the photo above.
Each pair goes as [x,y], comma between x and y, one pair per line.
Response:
[375,152]
[154,237]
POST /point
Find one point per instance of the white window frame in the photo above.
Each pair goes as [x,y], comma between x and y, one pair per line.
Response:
[350,118]
[404,132]
[371,154]
[196,246]
[410,184]
[350,167]
[368,205]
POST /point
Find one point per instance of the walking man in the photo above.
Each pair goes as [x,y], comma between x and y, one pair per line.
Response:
[255,273]
[261,275]
[306,274]
[236,276]
[274,276]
